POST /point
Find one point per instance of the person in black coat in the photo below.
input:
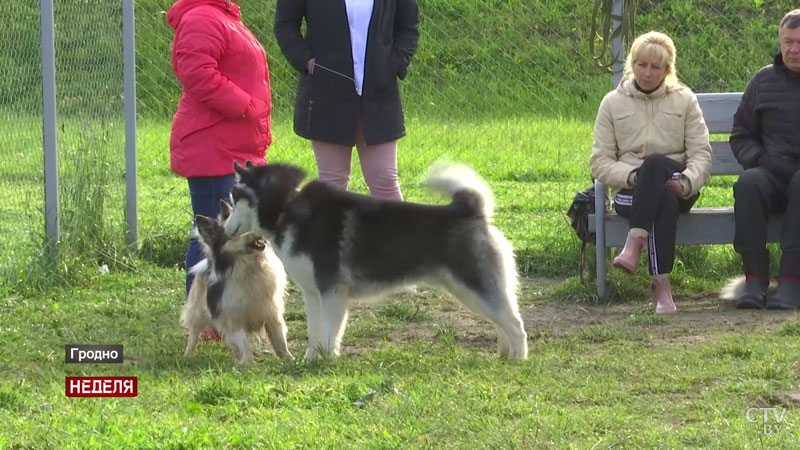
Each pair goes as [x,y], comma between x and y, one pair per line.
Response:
[349,61]
[766,141]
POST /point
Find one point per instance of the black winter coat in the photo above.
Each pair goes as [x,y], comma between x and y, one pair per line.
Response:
[766,126]
[327,102]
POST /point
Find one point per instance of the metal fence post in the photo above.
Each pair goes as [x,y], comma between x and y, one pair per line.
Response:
[600,190]
[616,40]
[51,210]
[129,65]
[600,236]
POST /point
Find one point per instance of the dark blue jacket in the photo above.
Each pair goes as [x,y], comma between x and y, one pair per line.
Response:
[766,126]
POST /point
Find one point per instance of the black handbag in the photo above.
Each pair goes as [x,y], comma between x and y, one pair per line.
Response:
[578,212]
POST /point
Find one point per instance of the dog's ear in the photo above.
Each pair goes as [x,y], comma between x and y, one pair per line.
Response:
[225,210]
[208,228]
[249,164]
[238,169]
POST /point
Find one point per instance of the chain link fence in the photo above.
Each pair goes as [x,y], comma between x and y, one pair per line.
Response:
[20,129]
[90,142]
[519,52]
[720,44]
[502,57]
[494,63]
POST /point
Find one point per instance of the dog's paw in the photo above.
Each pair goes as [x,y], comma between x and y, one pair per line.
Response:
[245,360]
[311,354]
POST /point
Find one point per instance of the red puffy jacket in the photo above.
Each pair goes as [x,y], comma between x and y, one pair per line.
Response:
[224,111]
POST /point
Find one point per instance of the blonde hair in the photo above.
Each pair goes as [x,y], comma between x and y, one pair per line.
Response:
[654,46]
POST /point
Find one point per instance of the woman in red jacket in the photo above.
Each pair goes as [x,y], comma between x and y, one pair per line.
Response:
[224,111]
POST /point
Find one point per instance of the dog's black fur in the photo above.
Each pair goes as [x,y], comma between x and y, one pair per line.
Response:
[319,212]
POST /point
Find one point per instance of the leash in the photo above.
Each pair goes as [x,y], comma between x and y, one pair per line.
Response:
[316,64]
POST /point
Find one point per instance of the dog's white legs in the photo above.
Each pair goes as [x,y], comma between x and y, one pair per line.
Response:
[191,343]
[194,316]
[276,330]
[511,323]
[512,341]
[238,342]
[313,322]
[501,301]
[334,320]
[195,326]
[502,342]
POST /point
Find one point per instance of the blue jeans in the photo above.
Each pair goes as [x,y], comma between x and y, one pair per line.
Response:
[206,193]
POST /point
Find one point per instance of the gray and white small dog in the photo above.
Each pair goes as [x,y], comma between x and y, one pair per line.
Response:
[339,246]
[238,289]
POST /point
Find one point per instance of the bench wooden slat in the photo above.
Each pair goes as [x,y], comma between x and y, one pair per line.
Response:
[698,226]
[718,109]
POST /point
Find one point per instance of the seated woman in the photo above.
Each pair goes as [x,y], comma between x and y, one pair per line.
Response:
[651,148]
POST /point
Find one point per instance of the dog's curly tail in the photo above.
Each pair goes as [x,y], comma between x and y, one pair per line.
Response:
[451,178]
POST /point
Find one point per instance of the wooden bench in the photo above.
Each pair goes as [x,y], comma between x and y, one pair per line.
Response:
[698,226]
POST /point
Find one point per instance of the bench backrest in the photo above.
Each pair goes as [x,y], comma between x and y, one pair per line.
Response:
[718,110]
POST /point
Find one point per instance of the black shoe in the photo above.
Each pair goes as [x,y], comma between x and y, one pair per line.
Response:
[753,297]
[787,297]
[748,301]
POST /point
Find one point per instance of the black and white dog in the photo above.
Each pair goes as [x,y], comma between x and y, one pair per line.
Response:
[339,246]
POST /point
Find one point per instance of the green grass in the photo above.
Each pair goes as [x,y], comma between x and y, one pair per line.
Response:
[512,93]
[418,371]
[623,382]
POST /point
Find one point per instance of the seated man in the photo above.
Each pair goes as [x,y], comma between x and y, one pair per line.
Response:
[766,141]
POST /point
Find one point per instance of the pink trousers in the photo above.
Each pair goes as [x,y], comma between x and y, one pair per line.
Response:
[378,162]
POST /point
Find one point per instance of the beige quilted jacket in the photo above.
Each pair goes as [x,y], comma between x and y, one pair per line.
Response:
[631,125]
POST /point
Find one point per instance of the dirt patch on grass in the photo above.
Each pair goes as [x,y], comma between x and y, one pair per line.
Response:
[700,318]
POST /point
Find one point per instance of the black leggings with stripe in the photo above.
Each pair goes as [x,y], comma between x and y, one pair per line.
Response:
[650,206]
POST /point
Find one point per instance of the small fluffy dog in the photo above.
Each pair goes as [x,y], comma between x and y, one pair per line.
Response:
[238,289]
[339,246]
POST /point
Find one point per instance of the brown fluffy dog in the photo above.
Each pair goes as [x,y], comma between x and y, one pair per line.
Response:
[238,289]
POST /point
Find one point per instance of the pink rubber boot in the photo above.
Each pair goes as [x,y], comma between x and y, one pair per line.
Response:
[628,259]
[662,294]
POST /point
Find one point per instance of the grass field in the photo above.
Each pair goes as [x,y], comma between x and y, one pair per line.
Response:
[419,371]
[506,86]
